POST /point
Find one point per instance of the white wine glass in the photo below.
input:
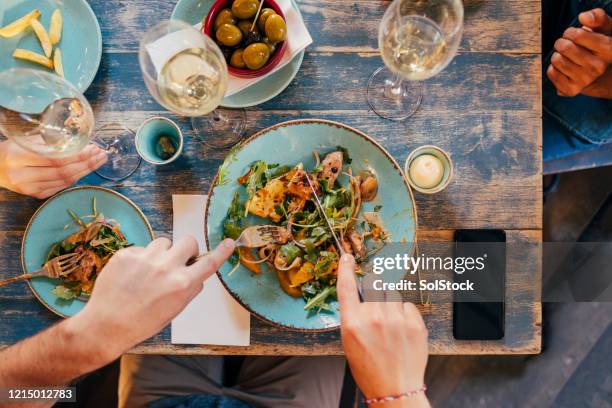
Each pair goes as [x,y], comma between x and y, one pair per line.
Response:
[47,115]
[417,39]
[186,73]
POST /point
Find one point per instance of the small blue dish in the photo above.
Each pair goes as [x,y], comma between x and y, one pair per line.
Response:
[52,223]
[194,12]
[148,138]
[290,143]
[81,42]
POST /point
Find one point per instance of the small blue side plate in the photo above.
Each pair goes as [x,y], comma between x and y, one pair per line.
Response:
[48,226]
[194,11]
[290,143]
[81,42]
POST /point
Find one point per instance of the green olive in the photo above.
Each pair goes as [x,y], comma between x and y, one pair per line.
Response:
[276,29]
[225,16]
[229,35]
[245,8]
[245,26]
[256,55]
[263,16]
[237,60]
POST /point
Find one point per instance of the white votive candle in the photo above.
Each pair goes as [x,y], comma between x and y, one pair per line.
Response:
[426,171]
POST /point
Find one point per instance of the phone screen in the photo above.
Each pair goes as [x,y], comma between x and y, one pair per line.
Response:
[473,319]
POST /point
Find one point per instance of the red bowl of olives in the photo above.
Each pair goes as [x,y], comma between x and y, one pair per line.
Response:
[249,53]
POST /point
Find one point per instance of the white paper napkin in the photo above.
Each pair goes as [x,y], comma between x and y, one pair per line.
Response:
[214,316]
[298,38]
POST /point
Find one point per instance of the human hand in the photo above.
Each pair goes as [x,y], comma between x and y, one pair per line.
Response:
[140,291]
[583,55]
[385,343]
[27,173]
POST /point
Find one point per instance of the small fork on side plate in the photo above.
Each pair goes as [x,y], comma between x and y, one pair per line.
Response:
[55,268]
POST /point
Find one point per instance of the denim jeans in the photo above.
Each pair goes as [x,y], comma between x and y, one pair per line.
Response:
[570,124]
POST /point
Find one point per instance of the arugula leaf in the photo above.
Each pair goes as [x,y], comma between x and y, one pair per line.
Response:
[290,251]
[222,179]
[311,251]
[319,300]
[326,260]
[279,171]
[232,225]
[257,178]
[317,232]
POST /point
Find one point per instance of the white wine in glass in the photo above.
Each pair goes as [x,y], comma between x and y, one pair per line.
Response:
[47,115]
[186,73]
[417,40]
[191,82]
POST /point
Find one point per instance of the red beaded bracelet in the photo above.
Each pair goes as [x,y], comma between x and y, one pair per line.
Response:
[379,400]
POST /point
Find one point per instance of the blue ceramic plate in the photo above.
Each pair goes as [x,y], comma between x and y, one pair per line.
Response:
[81,42]
[290,143]
[47,227]
[194,11]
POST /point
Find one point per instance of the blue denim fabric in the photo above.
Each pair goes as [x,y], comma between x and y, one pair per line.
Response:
[199,401]
[571,124]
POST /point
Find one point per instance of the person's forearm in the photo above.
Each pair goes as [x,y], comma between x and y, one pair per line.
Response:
[55,356]
[602,87]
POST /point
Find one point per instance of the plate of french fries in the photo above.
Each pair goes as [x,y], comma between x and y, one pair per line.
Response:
[58,36]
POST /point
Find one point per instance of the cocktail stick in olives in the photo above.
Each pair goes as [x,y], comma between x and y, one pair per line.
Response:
[245,8]
[229,35]
[245,26]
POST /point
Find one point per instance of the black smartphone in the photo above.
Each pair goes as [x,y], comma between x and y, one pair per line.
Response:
[479,315]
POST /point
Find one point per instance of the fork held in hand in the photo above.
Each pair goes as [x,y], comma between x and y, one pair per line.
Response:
[262,235]
[55,268]
[256,237]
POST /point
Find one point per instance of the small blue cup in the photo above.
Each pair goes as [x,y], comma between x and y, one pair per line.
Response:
[155,132]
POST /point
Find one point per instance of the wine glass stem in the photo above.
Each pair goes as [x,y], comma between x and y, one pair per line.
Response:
[110,149]
[393,90]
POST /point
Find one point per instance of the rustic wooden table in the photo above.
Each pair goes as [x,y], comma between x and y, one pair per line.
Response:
[485,109]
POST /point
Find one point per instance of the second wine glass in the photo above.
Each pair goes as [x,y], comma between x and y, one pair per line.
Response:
[185,71]
[417,39]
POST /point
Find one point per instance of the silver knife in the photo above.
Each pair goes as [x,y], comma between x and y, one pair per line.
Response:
[331,230]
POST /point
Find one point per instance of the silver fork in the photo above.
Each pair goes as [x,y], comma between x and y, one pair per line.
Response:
[262,235]
[57,267]
[256,237]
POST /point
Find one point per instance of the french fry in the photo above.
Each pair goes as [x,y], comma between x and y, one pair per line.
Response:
[33,57]
[57,62]
[43,37]
[19,25]
[55,28]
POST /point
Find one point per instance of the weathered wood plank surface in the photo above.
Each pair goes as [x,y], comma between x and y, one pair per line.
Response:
[484,109]
[346,25]
[471,83]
